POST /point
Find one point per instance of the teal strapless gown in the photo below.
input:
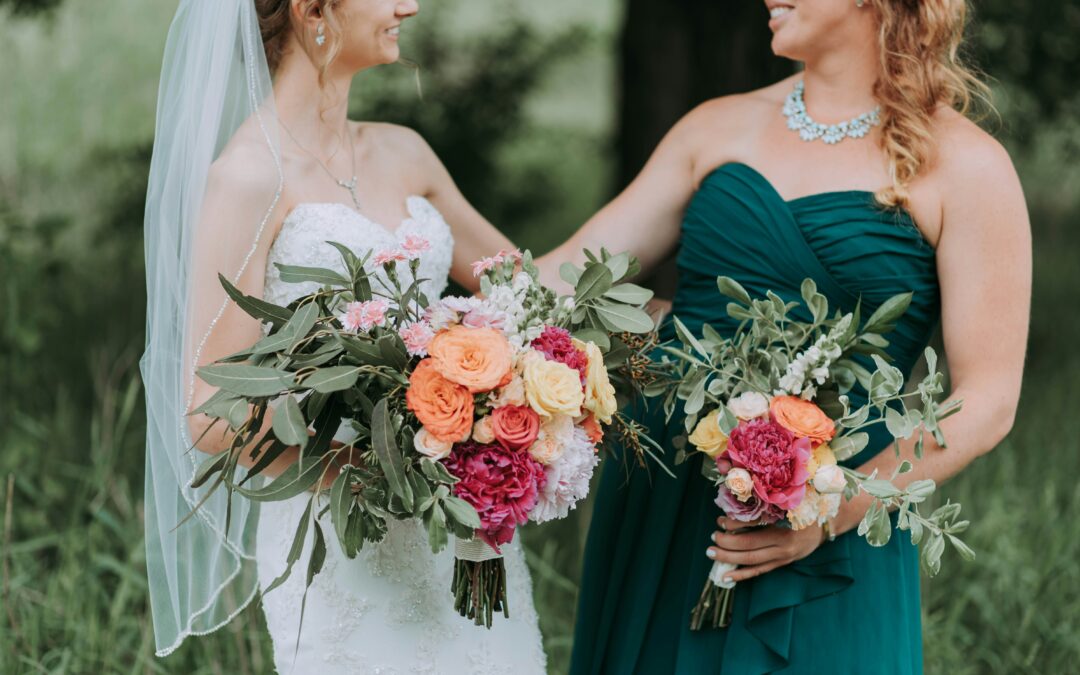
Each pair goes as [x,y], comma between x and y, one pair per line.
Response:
[847,608]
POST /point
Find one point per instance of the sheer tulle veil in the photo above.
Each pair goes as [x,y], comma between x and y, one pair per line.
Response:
[214,79]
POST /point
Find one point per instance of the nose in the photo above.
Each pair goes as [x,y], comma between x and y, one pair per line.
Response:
[407,8]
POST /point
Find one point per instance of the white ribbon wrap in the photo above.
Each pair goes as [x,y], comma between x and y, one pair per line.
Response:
[719,569]
[474,550]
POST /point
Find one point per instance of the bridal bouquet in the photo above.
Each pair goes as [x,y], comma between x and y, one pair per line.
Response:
[471,415]
[779,421]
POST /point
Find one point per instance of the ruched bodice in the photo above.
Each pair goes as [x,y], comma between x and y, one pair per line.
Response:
[846,608]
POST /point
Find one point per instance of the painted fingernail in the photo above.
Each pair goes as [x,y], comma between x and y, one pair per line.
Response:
[711,553]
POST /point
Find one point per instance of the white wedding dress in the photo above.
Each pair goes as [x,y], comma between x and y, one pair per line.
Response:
[388,611]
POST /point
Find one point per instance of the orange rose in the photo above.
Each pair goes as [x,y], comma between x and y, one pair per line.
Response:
[479,359]
[443,407]
[593,429]
[802,418]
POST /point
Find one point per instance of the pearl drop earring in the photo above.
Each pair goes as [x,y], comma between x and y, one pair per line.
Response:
[320,37]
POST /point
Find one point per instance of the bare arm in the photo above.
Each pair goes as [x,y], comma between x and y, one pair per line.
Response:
[984,266]
[644,219]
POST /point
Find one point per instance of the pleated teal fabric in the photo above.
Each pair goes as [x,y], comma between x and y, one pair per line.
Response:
[846,608]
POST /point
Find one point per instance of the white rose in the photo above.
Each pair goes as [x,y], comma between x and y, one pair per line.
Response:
[429,446]
[740,483]
[511,394]
[806,513]
[830,480]
[749,405]
[551,442]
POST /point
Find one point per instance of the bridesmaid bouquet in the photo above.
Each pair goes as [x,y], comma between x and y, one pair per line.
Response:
[470,415]
[780,420]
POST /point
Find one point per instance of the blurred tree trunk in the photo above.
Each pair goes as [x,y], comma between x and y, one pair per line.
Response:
[674,55]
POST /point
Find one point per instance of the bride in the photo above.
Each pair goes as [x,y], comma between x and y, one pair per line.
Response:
[255,163]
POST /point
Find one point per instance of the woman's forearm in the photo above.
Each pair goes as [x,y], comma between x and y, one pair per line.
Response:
[982,423]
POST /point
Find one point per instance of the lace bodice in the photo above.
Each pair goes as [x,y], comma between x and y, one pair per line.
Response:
[307,228]
[389,611]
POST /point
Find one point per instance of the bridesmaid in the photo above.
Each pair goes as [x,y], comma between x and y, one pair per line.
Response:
[770,187]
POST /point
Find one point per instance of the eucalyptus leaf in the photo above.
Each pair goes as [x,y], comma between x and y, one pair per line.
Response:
[631,294]
[295,550]
[297,328]
[386,449]
[297,274]
[341,501]
[883,319]
[618,265]
[289,424]
[597,337]
[209,466]
[294,480]
[336,378]
[256,307]
[461,512]
[847,446]
[246,380]
[622,318]
[569,273]
[733,289]
[596,281]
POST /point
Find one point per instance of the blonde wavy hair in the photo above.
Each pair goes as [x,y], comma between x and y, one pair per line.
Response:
[922,69]
[275,24]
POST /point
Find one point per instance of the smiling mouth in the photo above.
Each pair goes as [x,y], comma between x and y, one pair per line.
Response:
[393,32]
[779,11]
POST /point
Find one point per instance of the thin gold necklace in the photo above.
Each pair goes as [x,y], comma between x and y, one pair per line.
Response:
[350,184]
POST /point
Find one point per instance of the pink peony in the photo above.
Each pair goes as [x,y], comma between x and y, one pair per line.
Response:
[415,245]
[417,336]
[363,316]
[750,510]
[555,344]
[775,458]
[502,485]
[388,256]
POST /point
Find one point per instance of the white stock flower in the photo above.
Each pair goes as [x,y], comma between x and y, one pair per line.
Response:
[830,479]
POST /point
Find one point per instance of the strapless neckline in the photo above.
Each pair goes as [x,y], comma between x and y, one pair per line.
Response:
[299,208]
[795,203]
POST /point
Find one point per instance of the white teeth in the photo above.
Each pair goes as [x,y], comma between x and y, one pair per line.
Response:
[778,11]
[394,31]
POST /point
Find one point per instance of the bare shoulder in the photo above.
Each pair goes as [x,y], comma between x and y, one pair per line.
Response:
[975,175]
[967,155]
[401,151]
[246,166]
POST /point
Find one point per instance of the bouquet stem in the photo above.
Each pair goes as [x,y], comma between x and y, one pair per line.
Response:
[713,608]
[479,584]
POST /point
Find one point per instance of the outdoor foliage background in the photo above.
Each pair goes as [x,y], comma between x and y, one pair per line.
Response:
[519,101]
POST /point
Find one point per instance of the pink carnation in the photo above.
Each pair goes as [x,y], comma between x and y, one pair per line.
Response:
[388,256]
[485,265]
[513,255]
[417,336]
[363,316]
[556,345]
[415,245]
[502,485]
[750,510]
[775,458]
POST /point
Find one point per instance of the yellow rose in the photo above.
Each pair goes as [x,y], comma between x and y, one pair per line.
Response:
[551,388]
[822,456]
[708,437]
[599,394]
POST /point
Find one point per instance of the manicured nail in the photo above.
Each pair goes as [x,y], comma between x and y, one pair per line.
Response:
[711,553]
[727,580]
